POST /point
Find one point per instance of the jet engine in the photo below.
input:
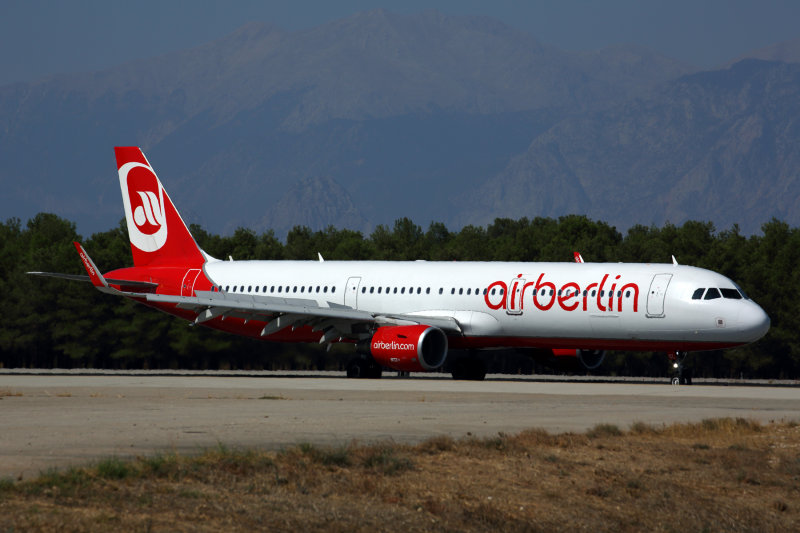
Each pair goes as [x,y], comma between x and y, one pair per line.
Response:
[591,359]
[416,348]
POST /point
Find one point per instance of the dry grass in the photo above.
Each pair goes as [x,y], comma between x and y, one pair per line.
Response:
[717,475]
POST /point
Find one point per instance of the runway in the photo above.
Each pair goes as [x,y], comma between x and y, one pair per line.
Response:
[60,420]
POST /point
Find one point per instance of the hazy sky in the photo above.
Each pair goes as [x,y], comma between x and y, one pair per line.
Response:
[39,38]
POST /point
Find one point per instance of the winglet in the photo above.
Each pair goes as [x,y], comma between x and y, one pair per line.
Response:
[91,269]
[578,258]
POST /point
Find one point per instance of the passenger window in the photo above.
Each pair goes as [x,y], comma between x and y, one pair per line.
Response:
[371,290]
[698,294]
[227,288]
[453,290]
[325,288]
[419,290]
[294,289]
[379,289]
[428,290]
[402,290]
[460,291]
[469,291]
[279,288]
[502,291]
[333,289]
[256,288]
[394,290]
[712,294]
[731,294]
[363,290]
[317,288]
[303,289]
[441,290]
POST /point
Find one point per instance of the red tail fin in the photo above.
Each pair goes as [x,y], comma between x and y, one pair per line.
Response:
[157,233]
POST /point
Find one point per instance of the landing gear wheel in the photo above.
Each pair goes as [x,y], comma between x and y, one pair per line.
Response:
[684,375]
[356,368]
[362,368]
[469,369]
[375,371]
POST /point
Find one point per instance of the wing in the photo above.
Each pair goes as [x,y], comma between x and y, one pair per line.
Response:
[332,319]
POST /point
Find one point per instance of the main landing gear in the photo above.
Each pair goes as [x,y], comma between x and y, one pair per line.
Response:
[683,375]
[363,367]
[469,368]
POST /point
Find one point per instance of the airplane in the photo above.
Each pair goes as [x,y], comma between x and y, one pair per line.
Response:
[409,315]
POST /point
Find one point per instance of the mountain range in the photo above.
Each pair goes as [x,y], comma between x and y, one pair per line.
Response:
[458,119]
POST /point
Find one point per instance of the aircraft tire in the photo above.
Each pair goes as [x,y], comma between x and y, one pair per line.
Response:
[468,369]
[361,368]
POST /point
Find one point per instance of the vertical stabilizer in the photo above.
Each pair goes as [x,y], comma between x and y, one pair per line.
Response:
[157,233]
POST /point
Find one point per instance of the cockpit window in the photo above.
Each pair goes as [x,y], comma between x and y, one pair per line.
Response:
[698,294]
[712,294]
[744,294]
[731,294]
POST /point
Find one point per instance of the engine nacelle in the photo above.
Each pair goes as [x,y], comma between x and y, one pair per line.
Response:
[409,348]
[590,359]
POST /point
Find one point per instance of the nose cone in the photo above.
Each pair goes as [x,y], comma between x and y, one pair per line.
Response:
[753,322]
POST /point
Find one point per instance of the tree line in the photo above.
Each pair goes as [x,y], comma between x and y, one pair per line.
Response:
[61,324]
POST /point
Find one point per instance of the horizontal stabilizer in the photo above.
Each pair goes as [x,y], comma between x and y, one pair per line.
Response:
[85,278]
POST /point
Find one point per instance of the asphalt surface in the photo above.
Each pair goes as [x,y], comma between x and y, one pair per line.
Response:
[56,420]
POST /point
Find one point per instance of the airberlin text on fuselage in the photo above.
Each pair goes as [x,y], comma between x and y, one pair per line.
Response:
[607,295]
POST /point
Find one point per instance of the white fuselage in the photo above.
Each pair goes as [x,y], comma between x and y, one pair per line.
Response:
[569,305]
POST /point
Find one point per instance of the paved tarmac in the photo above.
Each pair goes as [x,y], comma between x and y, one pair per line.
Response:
[60,420]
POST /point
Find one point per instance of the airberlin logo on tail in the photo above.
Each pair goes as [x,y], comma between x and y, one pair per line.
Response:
[143,198]
[150,212]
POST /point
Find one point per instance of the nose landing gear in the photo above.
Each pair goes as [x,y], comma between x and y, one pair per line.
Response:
[683,375]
